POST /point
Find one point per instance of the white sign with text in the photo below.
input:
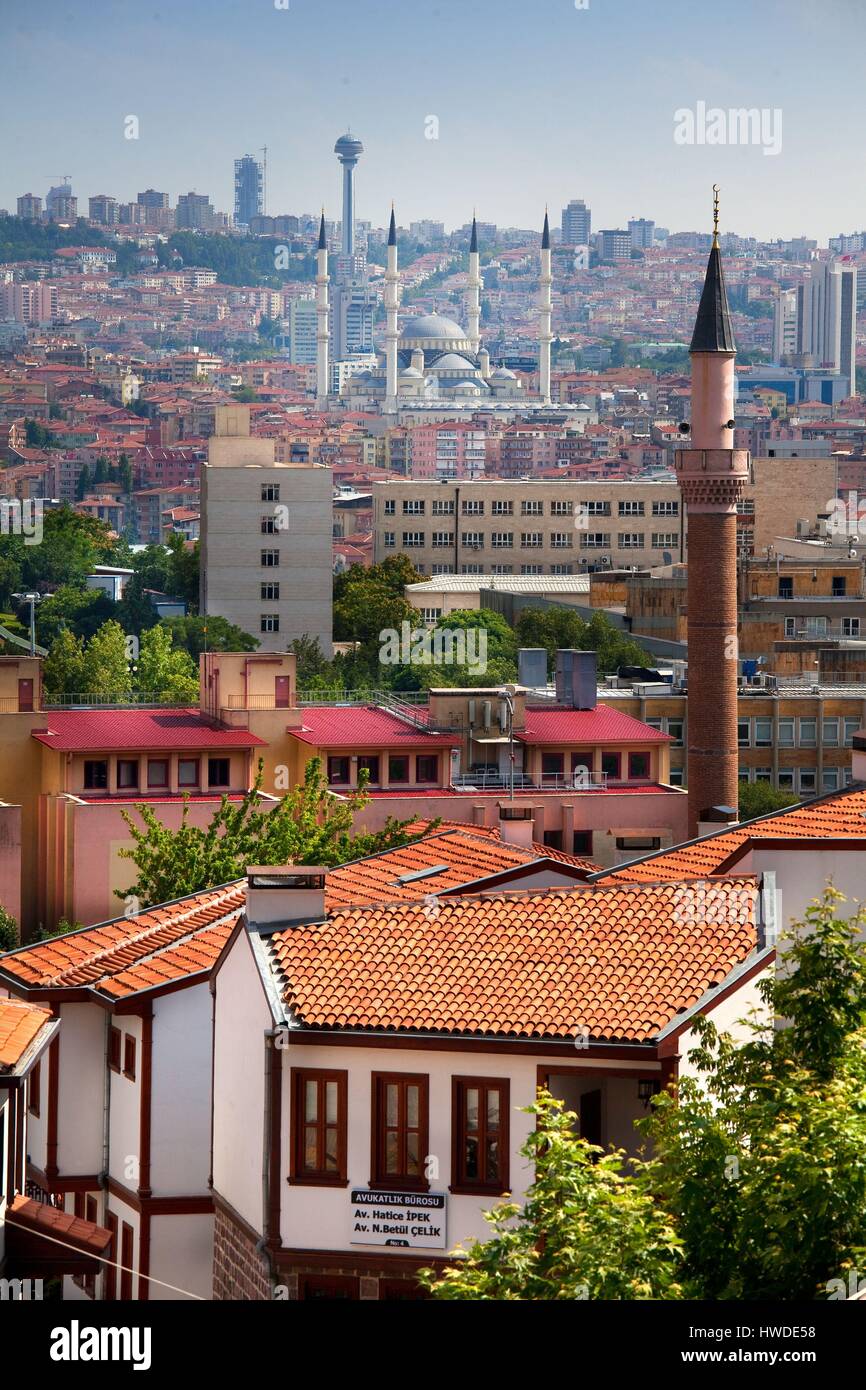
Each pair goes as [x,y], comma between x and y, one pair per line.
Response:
[413,1220]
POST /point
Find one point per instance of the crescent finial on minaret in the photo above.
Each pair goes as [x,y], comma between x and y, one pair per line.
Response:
[715,214]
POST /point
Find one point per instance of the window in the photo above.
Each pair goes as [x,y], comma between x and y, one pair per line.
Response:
[413,539]
[664,540]
[34,1082]
[502,509]
[114,1049]
[157,772]
[270,591]
[187,772]
[413,506]
[851,728]
[475,539]
[675,777]
[582,842]
[431,615]
[561,508]
[562,569]
[95,774]
[338,770]
[472,569]
[808,781]
[638,767]
[595,508]
[270,559]
[840,585]
[443,507]
[218,772]
[763,774]
[390,539]
[370,763]
[790,627]
[270,492]
[644,842]
[830,779]
[390,506]
[763,732]
[786,586]
[610,765]
[666,508]
[480,1113]
[398,768]
[110,1268]
[441,538]
[502,540]
[850,627]
[531,508]
[743,733]
[631,540]
[675,729]
[269,525]
[561,540]
[552,766]
[786,779]
[530,540]
[129,1056]
[126,1247]
[808,733]
[531,569]
[427,767]
[631,508]
[127,772]
[785,734]
[472,507]
[399,1130]
[595,540]
[269,622]
[319,1126]
[830,733]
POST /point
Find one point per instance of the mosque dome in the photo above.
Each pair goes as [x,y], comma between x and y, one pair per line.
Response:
[504,374]
[432,328]
[452,362]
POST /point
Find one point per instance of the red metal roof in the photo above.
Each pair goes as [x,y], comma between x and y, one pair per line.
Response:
[107,730]
[586,726]
[329,726]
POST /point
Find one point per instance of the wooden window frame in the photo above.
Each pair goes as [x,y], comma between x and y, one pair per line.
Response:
[459,1181]
[380,1180]
[298,1175]
[197,780]
[151,762]
[34,1089]
[115,1050]
[110,1289]
[129,1050]
[127,1248]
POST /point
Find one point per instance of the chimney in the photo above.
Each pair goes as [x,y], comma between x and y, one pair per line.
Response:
[515,823]
[716,818]
[576,678]
[285,895]
[532,667]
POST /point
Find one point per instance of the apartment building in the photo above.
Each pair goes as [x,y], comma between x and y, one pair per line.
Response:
[266,531]
[530,528]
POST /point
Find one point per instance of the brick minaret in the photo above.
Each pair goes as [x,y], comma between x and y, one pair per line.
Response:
[712,475]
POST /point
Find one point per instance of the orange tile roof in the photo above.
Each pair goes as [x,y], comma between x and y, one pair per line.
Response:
[158,946]
[465,857]
[492,832]
[44,1219]
[19,1025]
[617,961]
[840,815]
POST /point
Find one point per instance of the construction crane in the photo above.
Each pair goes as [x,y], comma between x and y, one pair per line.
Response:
[67,178]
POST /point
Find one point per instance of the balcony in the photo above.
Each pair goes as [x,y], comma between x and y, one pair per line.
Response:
[550,782]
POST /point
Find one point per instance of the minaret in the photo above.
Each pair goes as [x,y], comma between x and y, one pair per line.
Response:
[322,331]
[473,298]
[391,299]
[712,475]
[545,309]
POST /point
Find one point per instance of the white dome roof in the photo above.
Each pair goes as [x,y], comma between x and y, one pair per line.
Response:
[452,361]
[504,374]
[432,326]
[411,371]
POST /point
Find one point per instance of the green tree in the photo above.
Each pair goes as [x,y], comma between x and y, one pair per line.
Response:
[762,1155]
[309,826]
[71,545]
[8,931]
[759,798]
[106,669]
[102,472]
[81,610]
[589,1228]
[553,628]
[63,669]
[195,635]
[166,671]
[84,483]
[125,474]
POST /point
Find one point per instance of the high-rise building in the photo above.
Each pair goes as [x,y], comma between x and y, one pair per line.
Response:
[614,244]
[30,206]
[249,190]
[266,532]
[815,324]
[642,233]
[195,211]
[60,204]
[150,198]
[104,210]
[576,223]
[31,302]
[298,337]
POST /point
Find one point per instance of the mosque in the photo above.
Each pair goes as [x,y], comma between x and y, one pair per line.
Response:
[434,361]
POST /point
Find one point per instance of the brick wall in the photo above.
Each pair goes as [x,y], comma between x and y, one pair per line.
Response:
[239,1271]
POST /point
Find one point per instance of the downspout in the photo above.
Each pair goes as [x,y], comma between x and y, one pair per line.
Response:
[106,1105]
[271,1158]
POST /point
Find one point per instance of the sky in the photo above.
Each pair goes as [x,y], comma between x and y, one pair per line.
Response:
[534,103]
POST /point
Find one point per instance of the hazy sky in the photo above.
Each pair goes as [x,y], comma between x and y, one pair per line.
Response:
[537,101]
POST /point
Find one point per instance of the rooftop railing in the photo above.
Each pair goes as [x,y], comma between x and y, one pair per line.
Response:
[122,699]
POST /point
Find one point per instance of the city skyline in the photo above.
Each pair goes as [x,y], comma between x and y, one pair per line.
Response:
[522,126]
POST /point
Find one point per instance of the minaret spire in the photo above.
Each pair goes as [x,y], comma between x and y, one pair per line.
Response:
[391,302]
[322,329]
[712,475]
[473,292]
[545,311]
